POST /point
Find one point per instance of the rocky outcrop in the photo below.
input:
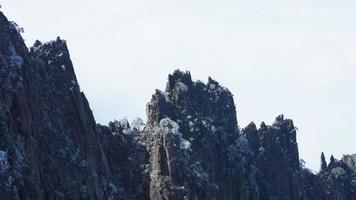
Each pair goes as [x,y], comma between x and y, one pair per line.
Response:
[50,147]
[190,148]
[206,117]
[247,164]
[338,179]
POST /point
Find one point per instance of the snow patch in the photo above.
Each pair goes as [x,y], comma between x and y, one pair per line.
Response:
[185,144]
[123,123]
[138,124]
[169,125]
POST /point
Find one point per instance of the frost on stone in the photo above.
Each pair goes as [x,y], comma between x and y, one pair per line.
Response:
[15,60]
[121,125]
[77,159]
[238,155]
[185,144]
[168,125]
[261,149]
[181,86]
[138,124]
[4,163]
[338,172]
[191,124]
[242,145]
[109,188]
[124,123]
[213,129]
[353,182]
[18,29]
[19,161]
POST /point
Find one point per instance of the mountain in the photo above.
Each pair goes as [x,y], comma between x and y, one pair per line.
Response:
[191,146]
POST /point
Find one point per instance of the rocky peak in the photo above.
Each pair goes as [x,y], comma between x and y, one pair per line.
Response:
[185,102]
[350,160]
[206,116]
[180,78]
[190,148]
[332,161]
[251,133]
[323,164]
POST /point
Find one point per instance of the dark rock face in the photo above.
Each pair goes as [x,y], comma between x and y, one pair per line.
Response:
[206,117]
[279,162]
[190,148]
[50,147]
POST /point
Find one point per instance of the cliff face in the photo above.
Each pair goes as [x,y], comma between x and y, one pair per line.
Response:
[50,147]
[190,148]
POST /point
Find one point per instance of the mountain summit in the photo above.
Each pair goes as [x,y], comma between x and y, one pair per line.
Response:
[191,146]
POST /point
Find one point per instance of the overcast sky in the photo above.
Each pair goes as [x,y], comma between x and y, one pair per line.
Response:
[276,56]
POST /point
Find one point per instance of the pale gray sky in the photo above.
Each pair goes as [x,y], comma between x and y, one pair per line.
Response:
[296,57]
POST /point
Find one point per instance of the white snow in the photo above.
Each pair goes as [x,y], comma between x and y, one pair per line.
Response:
[138,124]
[123,122]
[169,125]
[212,86]
[185,144]
[64,67]
[191,123]
[213,128]
[261,149]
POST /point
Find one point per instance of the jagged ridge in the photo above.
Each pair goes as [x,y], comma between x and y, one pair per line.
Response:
[190,148]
